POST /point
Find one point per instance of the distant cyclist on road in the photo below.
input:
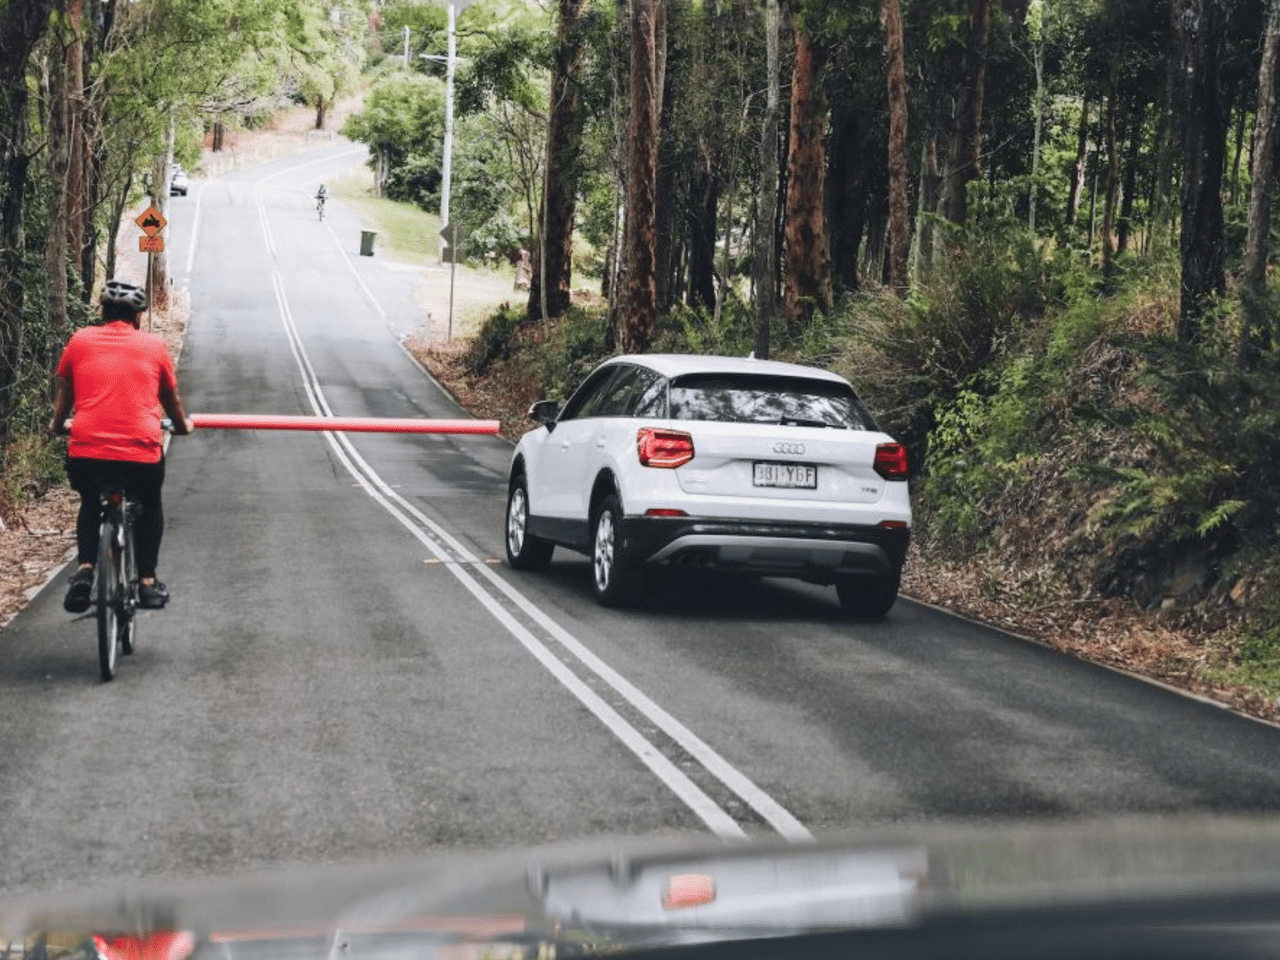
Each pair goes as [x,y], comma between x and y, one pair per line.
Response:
[321,196]
[115,377]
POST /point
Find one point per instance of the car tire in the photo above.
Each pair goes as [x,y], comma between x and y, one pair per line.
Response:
[868,597]
[524,550]
[613,574]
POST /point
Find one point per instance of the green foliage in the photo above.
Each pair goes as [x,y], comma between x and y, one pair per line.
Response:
[696,330]
[403,124]
[427,22]
[914,356]
[506,66]
[495,338]
[33,462]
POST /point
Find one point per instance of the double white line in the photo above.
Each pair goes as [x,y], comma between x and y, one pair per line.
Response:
[487,587]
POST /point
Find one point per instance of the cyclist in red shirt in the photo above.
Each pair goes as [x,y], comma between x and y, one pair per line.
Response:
[116,378]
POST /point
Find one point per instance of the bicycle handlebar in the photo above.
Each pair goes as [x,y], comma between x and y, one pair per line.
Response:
[165,424]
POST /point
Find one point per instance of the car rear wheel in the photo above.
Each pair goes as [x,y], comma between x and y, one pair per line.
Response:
[868,597]
[524,550]
[614,575]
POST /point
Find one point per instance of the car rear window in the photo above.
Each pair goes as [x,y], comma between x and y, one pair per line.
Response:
[760,398]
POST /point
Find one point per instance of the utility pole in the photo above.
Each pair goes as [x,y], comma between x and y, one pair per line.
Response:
[447,168]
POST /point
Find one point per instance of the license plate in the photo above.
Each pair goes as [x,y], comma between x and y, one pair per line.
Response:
[799,475]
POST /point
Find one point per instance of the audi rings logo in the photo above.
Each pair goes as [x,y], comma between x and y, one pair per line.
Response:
[788,447]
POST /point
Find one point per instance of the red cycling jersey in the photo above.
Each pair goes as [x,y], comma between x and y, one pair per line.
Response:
[116,374]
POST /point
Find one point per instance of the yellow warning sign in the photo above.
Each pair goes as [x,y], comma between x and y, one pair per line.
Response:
[151,221]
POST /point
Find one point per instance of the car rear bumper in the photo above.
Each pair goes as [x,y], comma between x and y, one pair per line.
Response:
[812,551]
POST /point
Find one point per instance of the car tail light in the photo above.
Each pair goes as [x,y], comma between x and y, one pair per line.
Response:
[664,512]
[666,449]
[892,525]
[891,461]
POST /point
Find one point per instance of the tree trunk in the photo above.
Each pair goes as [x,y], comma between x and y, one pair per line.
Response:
[1037,60]
[1239,149]
[562,170]
[807,265]
[1080,170]
[1162,204]
[899,240]
[322,108]
[620,75]
[846,193]
[1198,27]
[667,252]
[61,135]
[1256,335]
[930,196]
[701,227]
[1124,226]
[764,260]
[160,200]
[967,146]
[74,207]
[640,241]
[1113,173]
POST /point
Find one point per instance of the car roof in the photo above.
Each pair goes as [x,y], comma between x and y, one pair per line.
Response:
[678,364]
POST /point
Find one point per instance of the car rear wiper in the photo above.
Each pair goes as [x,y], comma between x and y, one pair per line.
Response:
[802,422]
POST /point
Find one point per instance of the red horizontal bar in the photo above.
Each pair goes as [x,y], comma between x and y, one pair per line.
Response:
[258,421]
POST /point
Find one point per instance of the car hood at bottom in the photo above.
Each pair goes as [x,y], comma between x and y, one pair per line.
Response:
[1202,886]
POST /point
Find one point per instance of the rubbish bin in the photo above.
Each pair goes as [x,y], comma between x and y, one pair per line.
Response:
[366,242]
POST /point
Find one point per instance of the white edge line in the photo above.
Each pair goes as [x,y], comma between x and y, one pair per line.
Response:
[355,273]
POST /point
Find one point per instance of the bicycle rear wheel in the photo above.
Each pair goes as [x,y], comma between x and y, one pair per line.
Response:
[108,594]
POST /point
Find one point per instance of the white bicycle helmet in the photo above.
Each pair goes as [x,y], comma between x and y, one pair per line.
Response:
[124,294]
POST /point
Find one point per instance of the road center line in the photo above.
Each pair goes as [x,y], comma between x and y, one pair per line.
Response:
[292,168]
[437,539]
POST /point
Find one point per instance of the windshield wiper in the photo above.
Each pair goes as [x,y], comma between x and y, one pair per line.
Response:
[802,422]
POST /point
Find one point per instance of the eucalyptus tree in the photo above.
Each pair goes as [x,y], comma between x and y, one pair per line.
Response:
[638,304]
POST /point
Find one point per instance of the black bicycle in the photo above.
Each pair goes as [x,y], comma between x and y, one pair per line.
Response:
[116,588]
[115,585]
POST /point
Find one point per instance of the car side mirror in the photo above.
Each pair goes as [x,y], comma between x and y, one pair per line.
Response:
[545,412]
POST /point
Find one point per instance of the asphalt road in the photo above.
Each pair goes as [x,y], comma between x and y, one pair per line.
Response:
[347,672]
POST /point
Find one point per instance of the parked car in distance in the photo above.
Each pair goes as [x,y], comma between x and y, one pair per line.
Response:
[178,182]
[742,465]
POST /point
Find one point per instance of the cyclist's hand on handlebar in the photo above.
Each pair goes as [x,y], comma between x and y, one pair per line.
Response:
[179,427]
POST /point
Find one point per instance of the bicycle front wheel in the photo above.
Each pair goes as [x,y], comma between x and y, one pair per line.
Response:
[109,596]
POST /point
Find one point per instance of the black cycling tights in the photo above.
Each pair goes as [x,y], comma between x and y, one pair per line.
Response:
[143,481]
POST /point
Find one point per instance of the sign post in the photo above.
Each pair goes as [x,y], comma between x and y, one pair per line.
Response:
[151,221]
[451,236]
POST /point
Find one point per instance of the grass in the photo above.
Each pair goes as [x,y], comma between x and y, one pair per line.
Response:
[406,232]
